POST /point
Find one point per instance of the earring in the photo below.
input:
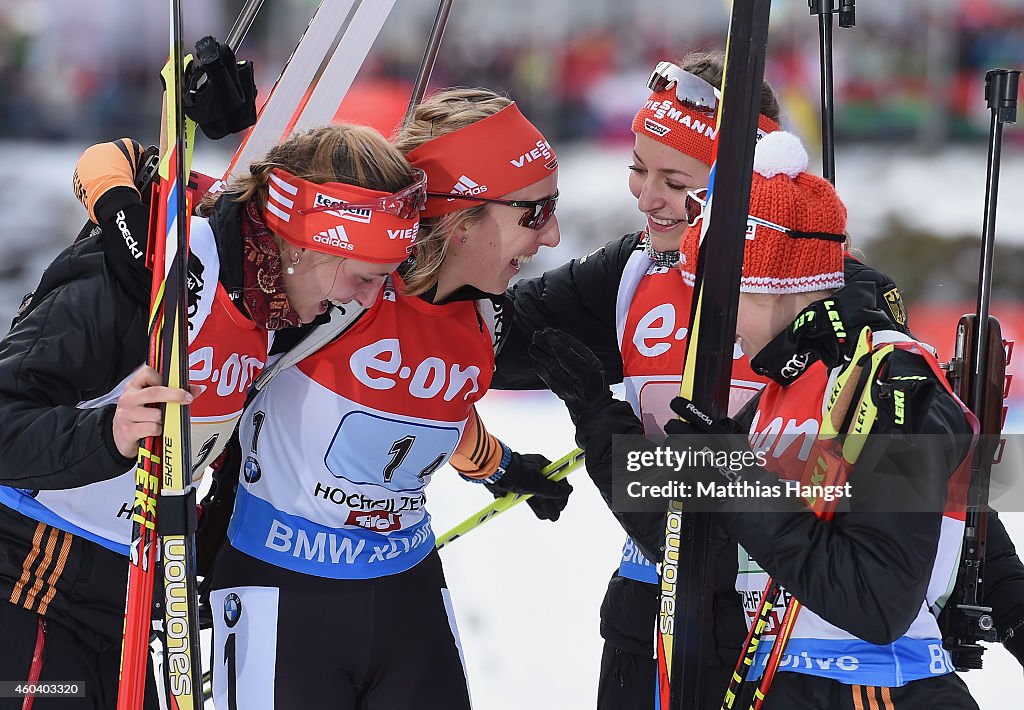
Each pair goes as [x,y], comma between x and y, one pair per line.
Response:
[463,240]
[295,260]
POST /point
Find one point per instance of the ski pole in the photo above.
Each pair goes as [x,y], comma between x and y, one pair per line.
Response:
[978,374]
[426,67]
[847,18]
[241,27]
[555,472]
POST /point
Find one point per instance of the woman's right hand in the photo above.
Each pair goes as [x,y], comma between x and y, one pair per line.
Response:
[138,413]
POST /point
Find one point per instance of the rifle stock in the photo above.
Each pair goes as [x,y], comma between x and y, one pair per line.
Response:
[978,375]
[966,620]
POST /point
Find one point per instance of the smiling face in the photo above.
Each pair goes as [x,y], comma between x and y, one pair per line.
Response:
[659,178]
[488,252]
[321,278]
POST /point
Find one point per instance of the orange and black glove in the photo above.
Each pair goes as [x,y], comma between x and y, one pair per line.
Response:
[104,183]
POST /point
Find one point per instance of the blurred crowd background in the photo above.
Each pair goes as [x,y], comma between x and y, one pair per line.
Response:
[908,71]
[911,120]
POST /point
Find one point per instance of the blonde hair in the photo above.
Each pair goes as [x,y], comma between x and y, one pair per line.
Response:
[355,155]
[442,113]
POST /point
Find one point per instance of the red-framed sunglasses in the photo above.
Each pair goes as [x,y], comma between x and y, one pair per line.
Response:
[537,214]
[404,204]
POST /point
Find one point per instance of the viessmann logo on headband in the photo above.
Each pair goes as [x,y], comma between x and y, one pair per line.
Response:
[666,109]
[540,151]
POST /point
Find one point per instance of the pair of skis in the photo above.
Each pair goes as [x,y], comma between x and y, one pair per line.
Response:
[321,69]
[708,364]
[164,471]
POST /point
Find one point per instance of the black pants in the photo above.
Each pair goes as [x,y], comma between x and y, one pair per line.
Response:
[628,681]
[64,658]
[797,691]
[288,640]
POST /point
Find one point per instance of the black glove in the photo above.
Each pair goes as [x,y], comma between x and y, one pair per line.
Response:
[723,442]
[523,475]
[571,371]
[220,92]
[694,421]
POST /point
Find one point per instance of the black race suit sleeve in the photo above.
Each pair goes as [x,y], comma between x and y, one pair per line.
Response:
[82,337]
[577,298]
[594,434]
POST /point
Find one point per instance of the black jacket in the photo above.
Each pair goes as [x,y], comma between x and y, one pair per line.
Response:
[579,298]
[82,333]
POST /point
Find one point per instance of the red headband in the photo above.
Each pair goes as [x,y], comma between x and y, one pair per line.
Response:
[491,157]
[364,234]
[665,119]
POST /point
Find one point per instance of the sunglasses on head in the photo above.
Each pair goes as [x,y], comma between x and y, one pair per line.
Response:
[537,214]
[404,204]
[691,90]
[696,202]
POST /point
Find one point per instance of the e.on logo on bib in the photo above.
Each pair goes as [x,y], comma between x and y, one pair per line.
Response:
[380,366]
[230,375]
[783,439]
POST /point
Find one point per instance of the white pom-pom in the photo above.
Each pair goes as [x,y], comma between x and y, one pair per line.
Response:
[780,153]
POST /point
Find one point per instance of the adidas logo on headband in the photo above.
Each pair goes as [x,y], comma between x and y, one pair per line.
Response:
[468,186]
[334,237]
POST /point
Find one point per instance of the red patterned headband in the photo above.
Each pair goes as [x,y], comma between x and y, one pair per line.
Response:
[344,220]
